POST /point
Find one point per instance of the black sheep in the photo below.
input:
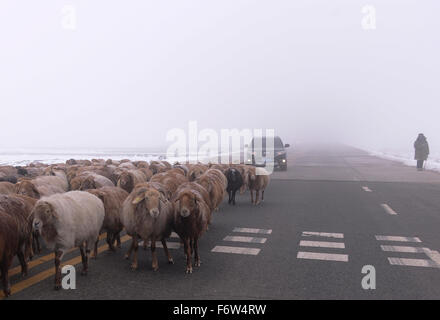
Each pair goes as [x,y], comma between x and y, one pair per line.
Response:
[235,181]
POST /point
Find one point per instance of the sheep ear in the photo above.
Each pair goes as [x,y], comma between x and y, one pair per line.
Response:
[138,199]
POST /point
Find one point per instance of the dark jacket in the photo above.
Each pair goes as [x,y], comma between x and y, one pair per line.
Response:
[421,148]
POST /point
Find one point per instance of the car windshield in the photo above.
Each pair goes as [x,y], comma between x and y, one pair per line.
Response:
[278,144]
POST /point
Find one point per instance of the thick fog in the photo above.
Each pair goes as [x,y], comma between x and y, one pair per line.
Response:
[122,73]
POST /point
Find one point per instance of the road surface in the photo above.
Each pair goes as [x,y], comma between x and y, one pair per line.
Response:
[333,212]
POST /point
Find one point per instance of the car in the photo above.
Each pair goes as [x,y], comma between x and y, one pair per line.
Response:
[260,157]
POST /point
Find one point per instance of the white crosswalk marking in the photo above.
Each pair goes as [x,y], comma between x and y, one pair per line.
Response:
[322,256]
[245,239]
[398,238]
[413,262]
[322,244]
[404,249]
[237,250]
[253,230]
[323,234]
[366,189]
[329,245]
[433,260]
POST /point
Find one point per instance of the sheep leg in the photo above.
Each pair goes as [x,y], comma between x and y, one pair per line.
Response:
[230,196]
[252,196]
[188,255]
[134,264]
[23,263]
[128,254]
[118,240]
[145,244]
[95,249]
[154,263]
[58,255]
[167,252]
[110,241]
[84,258]
[233,196]
[5,277]
[257,197]
[262,195]
[196,252]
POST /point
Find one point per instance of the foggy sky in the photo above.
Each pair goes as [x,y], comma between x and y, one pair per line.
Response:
[132,70]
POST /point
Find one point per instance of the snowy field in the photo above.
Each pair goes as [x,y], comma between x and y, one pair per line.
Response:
[21,157]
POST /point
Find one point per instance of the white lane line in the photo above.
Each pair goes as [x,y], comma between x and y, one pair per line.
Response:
[397,238]
[366,189]
[405,249]
[253,230]
[237,250]
[413,262]
[323,234]
[170,244]
[322,256]
[245,239]
[322,244]
[388,209]
[434,256]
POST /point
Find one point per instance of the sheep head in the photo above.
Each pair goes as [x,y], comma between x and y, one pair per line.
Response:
[151,200]
[186,203]
[44,220]
[88,183]
[27,188]
[126,181]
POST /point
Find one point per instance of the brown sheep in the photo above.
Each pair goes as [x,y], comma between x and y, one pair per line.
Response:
[148,215]
[90,180]
[9,247]
[20,208]
[214,189]
[112,198]
[196,170]
[130,178]
[258,180]
[7,187]
[41,186]
[191,218]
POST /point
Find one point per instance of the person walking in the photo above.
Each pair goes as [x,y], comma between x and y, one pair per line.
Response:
[421,151]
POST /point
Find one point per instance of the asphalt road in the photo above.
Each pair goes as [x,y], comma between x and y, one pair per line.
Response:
[328,205]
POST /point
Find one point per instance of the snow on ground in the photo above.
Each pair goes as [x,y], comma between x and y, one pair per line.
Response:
[407,158]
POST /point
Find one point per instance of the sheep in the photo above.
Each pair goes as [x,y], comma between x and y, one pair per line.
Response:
[112,198]
[90,180]
[71,219]
[7,187]
[10,179]
[9,246]
[157,167]
[170,180]
[141,164]
[181,166]
[129,179]
[235,182]
[20,208]
[243,169]
[148,215]
[41,186]
[215,183]
[127,165]
[258,181]
[195,171]
[191,218]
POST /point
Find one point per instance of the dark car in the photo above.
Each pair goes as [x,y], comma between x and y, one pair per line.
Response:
[258,155]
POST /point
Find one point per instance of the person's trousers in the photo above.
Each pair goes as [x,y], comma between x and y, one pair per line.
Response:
[420,164]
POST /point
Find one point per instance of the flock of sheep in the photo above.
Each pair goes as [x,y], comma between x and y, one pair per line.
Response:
[69,205]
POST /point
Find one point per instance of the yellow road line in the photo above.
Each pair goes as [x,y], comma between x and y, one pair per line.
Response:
[49,272]
[37,261]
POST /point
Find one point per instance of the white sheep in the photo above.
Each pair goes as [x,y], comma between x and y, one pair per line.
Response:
[71,219]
